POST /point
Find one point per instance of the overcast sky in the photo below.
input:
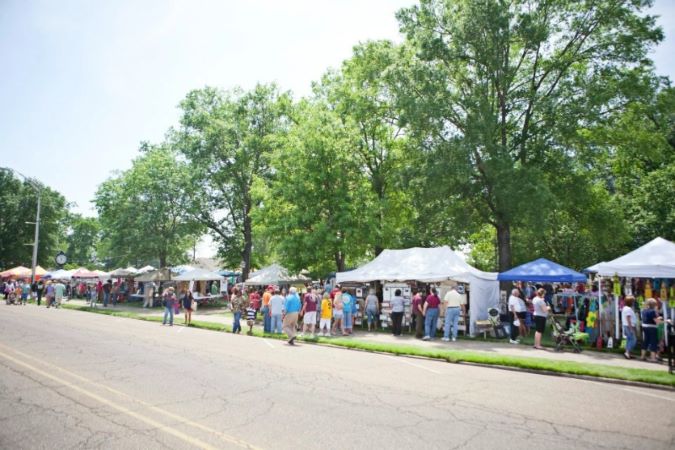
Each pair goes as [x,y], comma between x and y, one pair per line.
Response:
[83,82]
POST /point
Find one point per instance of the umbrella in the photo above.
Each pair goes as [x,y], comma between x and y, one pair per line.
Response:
[17,272]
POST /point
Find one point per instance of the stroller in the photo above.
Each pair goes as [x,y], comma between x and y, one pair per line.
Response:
[564,337]
[497,325]
[11,299]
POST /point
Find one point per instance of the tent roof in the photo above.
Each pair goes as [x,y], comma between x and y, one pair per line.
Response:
[274,274]
[155,275]
[83,272]
[421,264]
[542,270]
[121,273]
[655,259]
[198,275]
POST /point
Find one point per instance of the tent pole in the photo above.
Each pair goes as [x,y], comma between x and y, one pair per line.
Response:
[599,305]
[616,317]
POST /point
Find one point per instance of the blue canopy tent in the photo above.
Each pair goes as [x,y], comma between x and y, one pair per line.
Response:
[542,270]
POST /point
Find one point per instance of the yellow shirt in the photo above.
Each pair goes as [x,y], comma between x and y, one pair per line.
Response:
[326,309]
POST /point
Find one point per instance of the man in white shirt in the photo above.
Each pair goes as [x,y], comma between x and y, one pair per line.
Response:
[517,314]
[454,301]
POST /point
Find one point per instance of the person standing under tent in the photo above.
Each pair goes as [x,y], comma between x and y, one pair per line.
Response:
[517,314]
[148,294]
[33,290]
[326,315]
[25,292]
[372,307]
[308,312]
[650,323]
[418,314]
[396,312]
[238,305]
[107,289]
[454,302]
[291,310]
[276,311]
[267,317]
[541,310]
[628,325]
[430,309]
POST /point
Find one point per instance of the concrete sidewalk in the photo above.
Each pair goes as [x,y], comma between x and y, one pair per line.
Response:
[223,316]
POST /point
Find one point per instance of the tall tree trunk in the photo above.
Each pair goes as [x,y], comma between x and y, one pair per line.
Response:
[162,259]
[504,245]
[340,261]
[248,241]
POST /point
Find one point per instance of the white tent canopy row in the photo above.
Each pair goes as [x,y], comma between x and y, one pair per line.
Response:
[431,265]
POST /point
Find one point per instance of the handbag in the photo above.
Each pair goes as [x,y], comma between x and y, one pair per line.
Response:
[516,323]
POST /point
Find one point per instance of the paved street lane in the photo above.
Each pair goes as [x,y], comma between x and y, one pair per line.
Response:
[71,379]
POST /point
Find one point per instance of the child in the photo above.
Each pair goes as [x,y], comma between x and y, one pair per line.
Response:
[250,318]
[93,296]
[19,294]
[326,314]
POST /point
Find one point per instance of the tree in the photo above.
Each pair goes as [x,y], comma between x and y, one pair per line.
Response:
[315,204]
[496,91]
[228,138]
[359,93]
[83,240]
[144,211]
[19,203]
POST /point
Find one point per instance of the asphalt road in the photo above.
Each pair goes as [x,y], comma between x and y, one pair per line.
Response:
[71,379]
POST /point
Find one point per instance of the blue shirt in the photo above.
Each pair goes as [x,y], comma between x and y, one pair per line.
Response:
[292,303]
[347,303]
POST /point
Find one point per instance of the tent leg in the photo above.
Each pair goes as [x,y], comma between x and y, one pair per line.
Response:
[616,317]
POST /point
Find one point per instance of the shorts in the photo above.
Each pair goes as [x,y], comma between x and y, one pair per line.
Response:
[337,315]
[310,318]
[250,322]
[540,323]
[522,315]
[325,323]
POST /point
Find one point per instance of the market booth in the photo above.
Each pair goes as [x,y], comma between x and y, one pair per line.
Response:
[394,268]
[197,281]
[275,275]
[648,271]
[582,306]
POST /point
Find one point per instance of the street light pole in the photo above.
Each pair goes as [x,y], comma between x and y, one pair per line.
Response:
[37,236]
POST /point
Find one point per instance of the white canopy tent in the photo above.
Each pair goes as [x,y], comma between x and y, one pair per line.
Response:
[274,274]
[61,274]
[431,265]
[199,275]
[655,259]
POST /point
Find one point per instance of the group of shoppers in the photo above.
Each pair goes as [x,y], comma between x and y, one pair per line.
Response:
[650,321]
[518,315]
[426,309]
[19,291]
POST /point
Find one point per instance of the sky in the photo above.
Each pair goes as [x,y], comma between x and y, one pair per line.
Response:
[84,82]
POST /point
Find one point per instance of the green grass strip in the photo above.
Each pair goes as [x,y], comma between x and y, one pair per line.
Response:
[658,377]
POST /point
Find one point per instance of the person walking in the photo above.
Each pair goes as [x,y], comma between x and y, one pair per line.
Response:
[59,292]
[517,314]
[430,310]
[239,305]
[267,317]
[326,314]
[107,289]
[396,312]
[186,300]
[650,323]
[291,310]
[49,294]
[169,298]
[276,311]
[40,291]
[372,308]
[308,312]
[454,303]
[148,294]
[541,310]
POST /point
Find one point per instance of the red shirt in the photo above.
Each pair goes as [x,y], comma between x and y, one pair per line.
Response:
[433,301]
[417,303]
[254,298]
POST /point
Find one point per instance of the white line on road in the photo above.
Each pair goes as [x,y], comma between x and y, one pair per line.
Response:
[180,419]
[404,361]
[268,343]
[648,394]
